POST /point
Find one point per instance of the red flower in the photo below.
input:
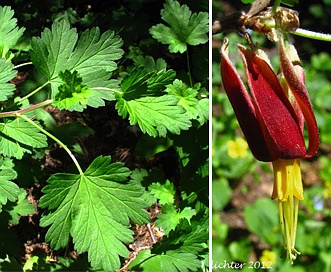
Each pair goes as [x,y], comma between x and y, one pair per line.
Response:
[272,119]
[271,123]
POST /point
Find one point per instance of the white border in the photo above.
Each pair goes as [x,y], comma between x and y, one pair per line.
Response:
[210,136]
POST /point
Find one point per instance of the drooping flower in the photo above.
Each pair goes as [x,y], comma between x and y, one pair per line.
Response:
[272,116]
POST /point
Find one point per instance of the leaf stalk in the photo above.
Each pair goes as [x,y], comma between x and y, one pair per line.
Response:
[19,115]
[34,92]
[21,111]
[23,64]
[189,68]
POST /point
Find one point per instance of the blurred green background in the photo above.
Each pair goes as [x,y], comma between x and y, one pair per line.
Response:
[245,220]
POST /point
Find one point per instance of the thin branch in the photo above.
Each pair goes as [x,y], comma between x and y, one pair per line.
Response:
[31,108]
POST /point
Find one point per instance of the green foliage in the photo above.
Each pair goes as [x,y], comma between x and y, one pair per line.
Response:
[143,81]
[59,50]
[196,109]
[186,242]
[9,190]
[184,27]
[65,95]
[72,95]
[266,222]
[21,208]
[9,32]
[171,261]
[19,137]
[7,73]
[165,193]
[94,208]
[170,218]
[162,112]
[155,115]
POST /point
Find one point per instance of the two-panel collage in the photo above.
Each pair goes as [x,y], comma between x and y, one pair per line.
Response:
[165,135]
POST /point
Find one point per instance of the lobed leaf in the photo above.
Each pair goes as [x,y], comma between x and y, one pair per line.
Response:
[170,261]
[189,241]
[155,115]
[196,240]
[72,95]
[9,32]
[18,137]
[142,82]
[187,97]
[93,56]
[21,208]
[94,208]
[184,27]
[149,63]
[164,192]
[8,189]
[170,218]
[7,73]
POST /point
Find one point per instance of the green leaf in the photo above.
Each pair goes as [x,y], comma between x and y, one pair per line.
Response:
[220,201]
[8,189]
[30,262]
[179,261]
[18,137]
[69,15]
[7,73]
[171,261]
[141,176]
[188,99]
[164,192]
[21,208]
[95,208]
[72,95]
[149,63]
[140,82]
[155,115]
[9,32]
[189,241]
[261,219]
[196,240]
[93,56]
[170,218]
[184,27]
[203,110]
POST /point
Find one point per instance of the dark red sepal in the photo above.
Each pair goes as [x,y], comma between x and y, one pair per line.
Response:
[273,106]
[245,112]
[296,81]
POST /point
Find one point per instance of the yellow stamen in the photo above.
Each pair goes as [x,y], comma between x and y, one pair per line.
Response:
[288,189]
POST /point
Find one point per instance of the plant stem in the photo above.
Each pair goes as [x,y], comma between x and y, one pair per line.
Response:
[31,108]
[22,64]
[313,35]
[34,92]
[189,68]
[19,115]
[276,5]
